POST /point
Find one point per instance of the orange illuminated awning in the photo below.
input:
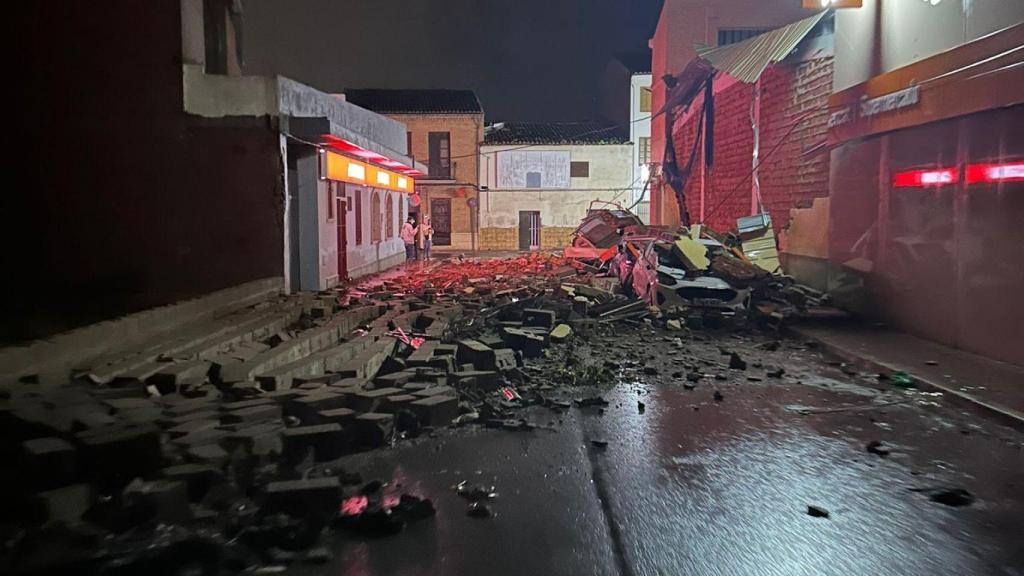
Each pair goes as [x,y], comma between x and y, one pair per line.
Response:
[334,166]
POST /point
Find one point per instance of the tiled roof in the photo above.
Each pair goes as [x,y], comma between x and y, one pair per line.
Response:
[588,132]
[636,62]
[386,101]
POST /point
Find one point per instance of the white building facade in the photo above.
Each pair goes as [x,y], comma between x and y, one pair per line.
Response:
[538,180]
[640,136]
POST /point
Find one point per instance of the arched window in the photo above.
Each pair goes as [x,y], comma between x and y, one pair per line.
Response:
[389,230]
[375,217]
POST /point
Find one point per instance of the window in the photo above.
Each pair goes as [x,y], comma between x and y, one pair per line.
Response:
[734,35]
[359,217]
[215,36]
[375,217]
[390,221]
[645,99]
[645,150]
[408,143]
[533,179]
[579,169]
[440,161]
[330,201]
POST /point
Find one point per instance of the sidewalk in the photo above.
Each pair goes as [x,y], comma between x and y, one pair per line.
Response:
[992,387]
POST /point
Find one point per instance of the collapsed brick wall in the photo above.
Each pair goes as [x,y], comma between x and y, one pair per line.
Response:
[796,171]
[725,196]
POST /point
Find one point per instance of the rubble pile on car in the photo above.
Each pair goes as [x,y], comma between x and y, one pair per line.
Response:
[696,274]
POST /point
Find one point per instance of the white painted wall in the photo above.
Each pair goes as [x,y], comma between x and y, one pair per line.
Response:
[611,170]
[904,31]
[639,127]
[369,256]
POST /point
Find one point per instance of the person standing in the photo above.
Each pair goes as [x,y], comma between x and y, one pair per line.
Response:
[408,235]
[427,236]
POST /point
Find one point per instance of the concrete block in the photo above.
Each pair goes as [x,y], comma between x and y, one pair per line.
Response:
[532,345]
[207,454]
[241,404]
[369,361]
[258,440]
[192,426]
[367,400]
[485,380]
[443,363]
[169,378]
[393,380]
[446,350]
[539,318]
[167,499]
[257,413]
[141,416]
[303,344]
[179,405]
[114,457]
[436,410]
[374,429]
[199,437]
[392,404]
[435,391]
[327,441]
[122,404]
[474,352]
[343,417]
[48,462]
[314,497]
[171,422]
[305,407]
[66,504]
[198,478]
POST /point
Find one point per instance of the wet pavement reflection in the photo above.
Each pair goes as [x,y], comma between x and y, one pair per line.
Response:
[691,485]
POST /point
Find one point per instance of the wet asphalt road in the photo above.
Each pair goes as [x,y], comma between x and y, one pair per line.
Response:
[698,486]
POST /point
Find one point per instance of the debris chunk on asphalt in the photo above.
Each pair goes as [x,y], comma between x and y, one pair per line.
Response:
[816,511]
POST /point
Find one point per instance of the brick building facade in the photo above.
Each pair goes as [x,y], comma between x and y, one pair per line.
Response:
[791,115]
[445,128]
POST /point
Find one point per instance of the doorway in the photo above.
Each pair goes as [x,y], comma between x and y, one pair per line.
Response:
[340,217]
[529,230]
[441,220]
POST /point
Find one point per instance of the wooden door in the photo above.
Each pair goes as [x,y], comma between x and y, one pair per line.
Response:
[441,220]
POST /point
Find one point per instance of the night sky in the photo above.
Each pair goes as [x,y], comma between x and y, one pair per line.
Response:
[526,59]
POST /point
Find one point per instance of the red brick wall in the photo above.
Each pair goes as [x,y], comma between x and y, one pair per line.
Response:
[798,169]
[725,196]
[793,172]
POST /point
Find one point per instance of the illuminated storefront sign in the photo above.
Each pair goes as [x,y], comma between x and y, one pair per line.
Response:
[344,169]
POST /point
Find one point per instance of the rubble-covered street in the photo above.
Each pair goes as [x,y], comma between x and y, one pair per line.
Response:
[510,416]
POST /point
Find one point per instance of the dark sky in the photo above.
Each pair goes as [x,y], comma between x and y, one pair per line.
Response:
[526,59]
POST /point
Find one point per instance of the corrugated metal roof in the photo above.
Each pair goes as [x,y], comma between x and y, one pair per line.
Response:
[745,61]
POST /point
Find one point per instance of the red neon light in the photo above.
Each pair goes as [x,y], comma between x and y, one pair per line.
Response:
[1012,172]
[920,178]
[343,145]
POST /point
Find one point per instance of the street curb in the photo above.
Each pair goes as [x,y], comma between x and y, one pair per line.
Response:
[1004,415]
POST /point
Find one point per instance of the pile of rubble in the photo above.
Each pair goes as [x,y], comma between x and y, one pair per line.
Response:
[696,274]
[220,444]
